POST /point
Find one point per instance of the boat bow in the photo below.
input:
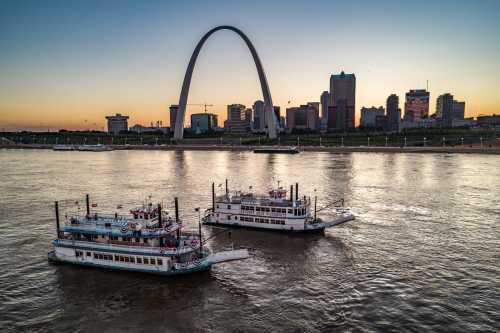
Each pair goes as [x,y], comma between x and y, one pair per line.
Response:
[231,255]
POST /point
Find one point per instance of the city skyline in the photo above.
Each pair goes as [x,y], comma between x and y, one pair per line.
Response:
[76,63]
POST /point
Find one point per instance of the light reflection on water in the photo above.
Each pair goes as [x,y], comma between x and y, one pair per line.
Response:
[422,255]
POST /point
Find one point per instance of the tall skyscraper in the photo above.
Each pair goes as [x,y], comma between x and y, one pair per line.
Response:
[238,119]
[325,101]
[416,105]
[305,117]
[341,114]
[448,109]
[393,113]
[259,118]
[369,116]
[444,109]
[458,110]
[203,122]
[277,113]
[173,116]
[117,123]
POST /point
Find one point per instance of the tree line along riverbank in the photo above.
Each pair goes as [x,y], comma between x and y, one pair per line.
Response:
[485,138]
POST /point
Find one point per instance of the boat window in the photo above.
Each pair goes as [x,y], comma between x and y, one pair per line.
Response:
[152,261]
[217,206]
[145,240]
[229,217]
[228,206]
[139,260]
[290,211]
[89,254]
[132,259]
[137,239]
[127,259]
[135,216]
[159,261]
[273,210]
[146,261]
[121,258]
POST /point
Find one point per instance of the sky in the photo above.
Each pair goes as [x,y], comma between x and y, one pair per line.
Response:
[68,64]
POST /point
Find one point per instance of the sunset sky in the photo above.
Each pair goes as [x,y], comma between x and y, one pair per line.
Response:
[68,64]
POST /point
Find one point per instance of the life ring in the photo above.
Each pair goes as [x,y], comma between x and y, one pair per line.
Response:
[124,230]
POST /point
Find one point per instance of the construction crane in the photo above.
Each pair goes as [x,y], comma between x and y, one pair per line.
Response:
[204,105]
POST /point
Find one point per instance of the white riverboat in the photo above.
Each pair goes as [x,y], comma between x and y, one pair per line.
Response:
[146,241]
[98,147]
[63,147]
[274,211]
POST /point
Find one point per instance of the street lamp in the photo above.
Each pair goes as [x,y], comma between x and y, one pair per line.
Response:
[462,139]
[342,141]
[405,141]
[368,141]
[481,139]
[444,141]
[425,140]
[386,141]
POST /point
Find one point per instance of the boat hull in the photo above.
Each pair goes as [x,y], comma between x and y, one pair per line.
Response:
[56,260]
[317,227]
[288,231]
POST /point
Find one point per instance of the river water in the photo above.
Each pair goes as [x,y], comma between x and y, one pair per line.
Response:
[423,254]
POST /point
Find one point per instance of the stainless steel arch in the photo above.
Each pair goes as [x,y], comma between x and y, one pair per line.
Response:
[268,102]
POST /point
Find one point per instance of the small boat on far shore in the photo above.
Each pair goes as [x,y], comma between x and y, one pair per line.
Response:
[63,147]
[98,147]
[277,150]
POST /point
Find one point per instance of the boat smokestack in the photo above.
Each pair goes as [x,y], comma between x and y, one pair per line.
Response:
[213,197]
[87,199]
[296,191]
[159,216]
[201,243]
[56,206]
[291,193]
[160,225]
[176,202]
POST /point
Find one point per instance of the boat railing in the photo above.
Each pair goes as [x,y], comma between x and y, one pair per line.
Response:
[112,246]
